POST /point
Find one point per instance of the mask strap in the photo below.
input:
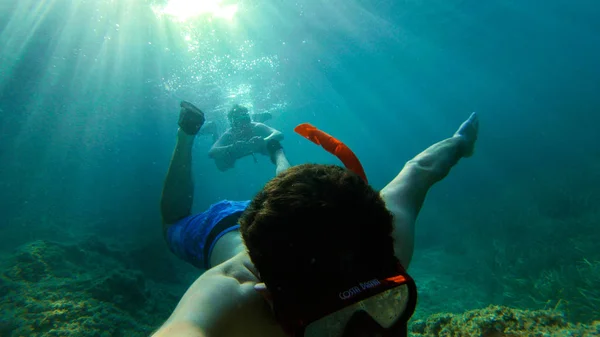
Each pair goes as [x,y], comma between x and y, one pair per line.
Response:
[333,146]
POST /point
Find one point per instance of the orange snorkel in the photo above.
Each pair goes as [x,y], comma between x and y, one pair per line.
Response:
[333,146]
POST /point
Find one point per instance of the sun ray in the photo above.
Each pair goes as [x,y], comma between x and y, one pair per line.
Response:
[184,10]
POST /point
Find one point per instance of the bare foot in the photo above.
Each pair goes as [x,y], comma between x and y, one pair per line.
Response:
[468,131]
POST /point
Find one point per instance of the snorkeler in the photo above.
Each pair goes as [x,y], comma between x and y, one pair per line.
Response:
[245,137]
[317,252]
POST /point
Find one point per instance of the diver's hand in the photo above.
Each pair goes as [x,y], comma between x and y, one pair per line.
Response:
[257,144]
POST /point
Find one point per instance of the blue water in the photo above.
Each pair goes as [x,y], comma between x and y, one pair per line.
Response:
[89,94]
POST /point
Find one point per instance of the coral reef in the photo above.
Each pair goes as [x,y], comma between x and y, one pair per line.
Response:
[93,289]
[87,289]
[497,321]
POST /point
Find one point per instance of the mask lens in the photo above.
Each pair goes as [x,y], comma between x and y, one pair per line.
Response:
[385,308]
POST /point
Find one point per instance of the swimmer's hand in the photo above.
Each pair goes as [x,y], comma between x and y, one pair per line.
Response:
[468,132]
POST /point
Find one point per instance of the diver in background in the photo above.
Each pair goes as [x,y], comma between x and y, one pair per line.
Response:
[210,128]
[317,252]
[244,137]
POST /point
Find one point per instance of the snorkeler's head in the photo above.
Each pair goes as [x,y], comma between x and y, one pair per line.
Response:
[313,227]
[238,116]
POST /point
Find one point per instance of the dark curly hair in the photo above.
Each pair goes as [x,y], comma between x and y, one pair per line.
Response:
[315,228]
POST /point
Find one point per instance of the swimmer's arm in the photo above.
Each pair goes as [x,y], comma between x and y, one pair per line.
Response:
[404,196]
[396,196]
[204,309]
[267,132]
[180,329]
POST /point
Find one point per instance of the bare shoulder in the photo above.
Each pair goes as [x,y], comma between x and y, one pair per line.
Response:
[261,129]
[219,297]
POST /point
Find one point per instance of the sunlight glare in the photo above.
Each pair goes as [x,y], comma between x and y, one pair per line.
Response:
[184,10]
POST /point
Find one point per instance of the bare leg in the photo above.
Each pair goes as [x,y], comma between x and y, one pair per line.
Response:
[178,189]
[281,162]
[277,155]
[404,196]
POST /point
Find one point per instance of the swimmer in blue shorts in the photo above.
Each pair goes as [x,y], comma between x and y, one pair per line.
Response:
[317,251]
[194,238]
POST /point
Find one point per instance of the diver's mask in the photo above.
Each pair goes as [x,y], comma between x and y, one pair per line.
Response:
[376,307]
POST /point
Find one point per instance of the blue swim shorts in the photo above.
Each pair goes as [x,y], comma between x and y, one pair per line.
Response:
[193,238]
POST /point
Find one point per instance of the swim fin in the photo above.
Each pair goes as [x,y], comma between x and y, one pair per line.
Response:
[191,118]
